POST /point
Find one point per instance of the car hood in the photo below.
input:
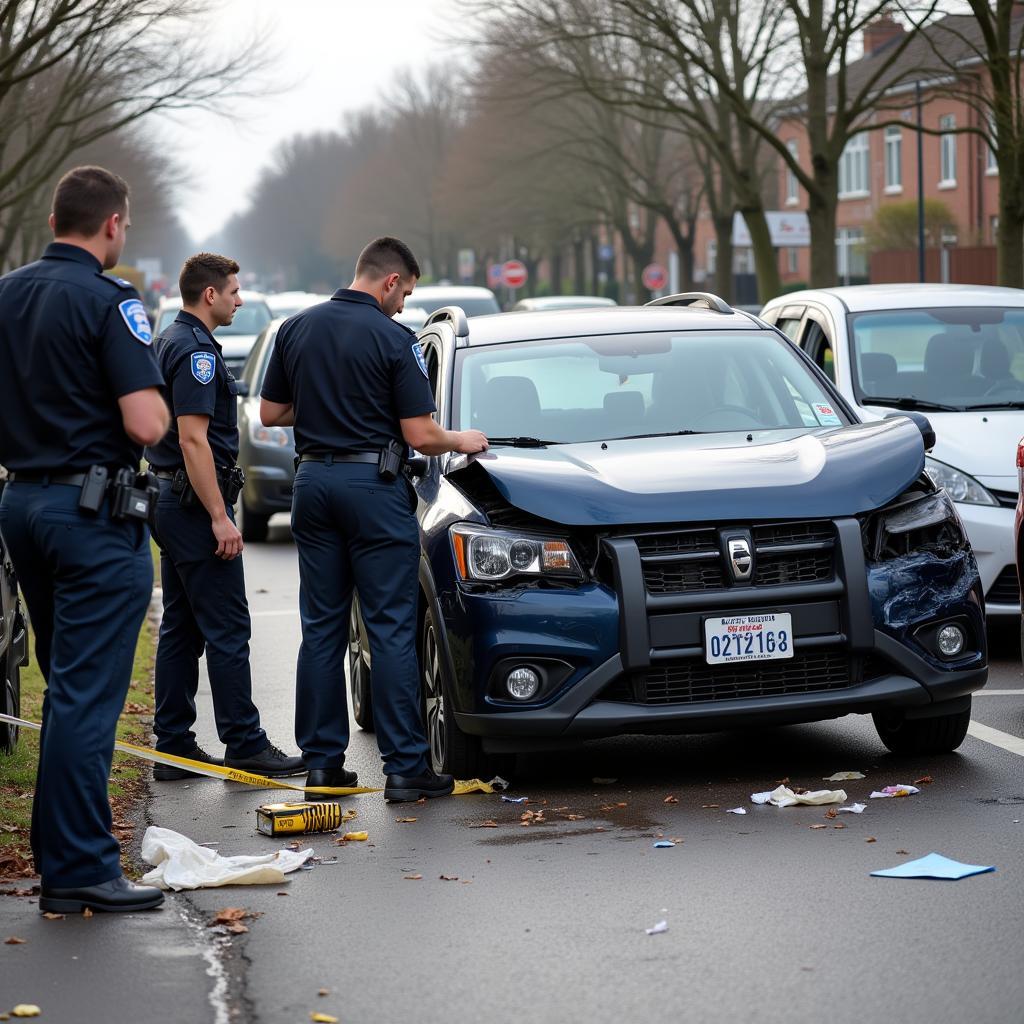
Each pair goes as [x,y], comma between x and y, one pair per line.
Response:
[234,346]
[775,475]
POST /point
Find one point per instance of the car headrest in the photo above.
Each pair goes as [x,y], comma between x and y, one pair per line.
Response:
[877,366]
[948,357]
[508,406]
[624,407]
[994,361]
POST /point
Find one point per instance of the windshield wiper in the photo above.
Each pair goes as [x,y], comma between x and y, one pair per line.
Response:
[997,405]
[521,442]
[666,433]
[909,402]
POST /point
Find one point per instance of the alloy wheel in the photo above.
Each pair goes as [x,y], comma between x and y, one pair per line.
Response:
[433,697]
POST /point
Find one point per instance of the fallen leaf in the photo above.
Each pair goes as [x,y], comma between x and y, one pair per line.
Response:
[871,839]
[412,878]
[237,928]
[324,992]
[622,805]
[839,826]
[925,780]
[671,800]
[903,851]
[349,814]
[676,839]
[229,916]
[15,941]
[295,845]
[323,1018]
[404,821]
[817,826]
[87,912]
[575,817]
[831,813]
[356,837]
[448,878]
[484,824]
[283,894]
[708,807]
[54,917]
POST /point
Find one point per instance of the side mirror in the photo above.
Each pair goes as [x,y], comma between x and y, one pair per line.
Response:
[923,424]
[241,388]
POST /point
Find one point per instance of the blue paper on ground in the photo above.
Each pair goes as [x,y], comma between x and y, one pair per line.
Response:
[933,866]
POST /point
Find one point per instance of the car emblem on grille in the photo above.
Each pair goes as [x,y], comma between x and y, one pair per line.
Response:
[741,565]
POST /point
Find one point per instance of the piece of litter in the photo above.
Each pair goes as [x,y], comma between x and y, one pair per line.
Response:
[354,837]
[499,783]
[709,807]
[853,809]
[182,864]
[448,878]
[736,810]
[843,777]
[464,786]
[925,780]
[412,878]
[871,839]
[661,926]
[515,799]
[894,791]
[783,796]
[324,992]
[935,865]
[322,1018]
[663,844]
[404,821]
[14,941]
[671,800]
[603,782]
[26,1010]
[817,826]
[484,824]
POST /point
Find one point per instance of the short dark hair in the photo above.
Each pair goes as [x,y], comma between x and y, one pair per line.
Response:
[202,271]
[84,198]
[387,255]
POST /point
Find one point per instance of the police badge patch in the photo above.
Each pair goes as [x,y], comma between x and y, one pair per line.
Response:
[134,315]
[420,361]
[203,366]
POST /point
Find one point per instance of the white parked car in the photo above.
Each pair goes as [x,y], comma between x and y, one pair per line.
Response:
[952,352]
[548,302]
[237,338]
[473,301]
[287,303]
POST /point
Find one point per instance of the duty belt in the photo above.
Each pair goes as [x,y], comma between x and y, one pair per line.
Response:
[70,479]
[367,458]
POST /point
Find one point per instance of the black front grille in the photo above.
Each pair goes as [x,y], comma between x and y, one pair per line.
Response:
[693,681]
[1008,499]
[678,542]
[793,533]
[683,577]
[1005,590]
[773,570]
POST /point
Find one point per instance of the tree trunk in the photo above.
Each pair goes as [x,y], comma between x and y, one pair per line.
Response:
[766,263]
[556,270]
[821,213]
[579,266]
[1010,238]
[723,257]
[684,247]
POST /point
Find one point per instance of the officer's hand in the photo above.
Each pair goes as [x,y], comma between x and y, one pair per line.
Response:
[471,442]
[229,540]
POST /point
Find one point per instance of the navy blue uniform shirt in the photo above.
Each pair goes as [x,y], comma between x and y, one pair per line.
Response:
[72,342]
[199,383]
[351,372]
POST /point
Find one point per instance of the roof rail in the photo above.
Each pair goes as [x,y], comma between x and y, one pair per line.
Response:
[455,314]
[705,299]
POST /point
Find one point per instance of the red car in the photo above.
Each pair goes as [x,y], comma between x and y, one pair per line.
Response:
[1019,541]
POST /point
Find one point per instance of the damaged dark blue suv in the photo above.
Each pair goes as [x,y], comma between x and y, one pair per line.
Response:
[680,527]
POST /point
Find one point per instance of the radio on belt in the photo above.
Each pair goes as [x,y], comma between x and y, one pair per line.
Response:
[295,819]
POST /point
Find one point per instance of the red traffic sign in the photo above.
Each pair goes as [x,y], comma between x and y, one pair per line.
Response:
[513,274]
[494,274]
[654,277]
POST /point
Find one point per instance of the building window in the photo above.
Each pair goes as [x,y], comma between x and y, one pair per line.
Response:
[853,168]
[712,256]
[851,260]
[947,152]
[792,185]
[894,158]
[993,226]
[743,260]
[792,260]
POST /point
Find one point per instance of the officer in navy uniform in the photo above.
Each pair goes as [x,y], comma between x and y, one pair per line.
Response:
[79,393]
[200,565]
[353,382]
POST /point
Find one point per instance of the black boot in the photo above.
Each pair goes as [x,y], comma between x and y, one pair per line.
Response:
[339,777]
[171,772]
[118,896]
[270,761]
[403,788]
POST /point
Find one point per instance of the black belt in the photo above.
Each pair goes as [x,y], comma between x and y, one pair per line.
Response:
[368,458]
[71,479]
[168,474]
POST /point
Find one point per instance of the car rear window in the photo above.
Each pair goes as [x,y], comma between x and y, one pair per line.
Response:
[603,387]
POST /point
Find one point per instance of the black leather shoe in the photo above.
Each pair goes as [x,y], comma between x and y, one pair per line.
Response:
[171,773]
[329,777]
[118,896]
[270,761]
[402,788]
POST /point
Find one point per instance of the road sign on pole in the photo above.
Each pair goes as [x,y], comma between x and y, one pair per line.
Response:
[493,274]
[467,265]
[654,277]
[514,274]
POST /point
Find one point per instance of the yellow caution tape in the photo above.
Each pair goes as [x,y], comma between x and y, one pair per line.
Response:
[215,771]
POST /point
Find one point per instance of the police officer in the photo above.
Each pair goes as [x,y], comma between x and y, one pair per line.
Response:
[79,394]
[200,547]
[351,380]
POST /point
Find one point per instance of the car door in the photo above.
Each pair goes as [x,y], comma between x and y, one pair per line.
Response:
[787,318]
[816,337]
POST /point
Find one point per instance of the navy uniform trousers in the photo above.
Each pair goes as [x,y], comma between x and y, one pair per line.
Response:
[87,582]
[353,529]
[204,609]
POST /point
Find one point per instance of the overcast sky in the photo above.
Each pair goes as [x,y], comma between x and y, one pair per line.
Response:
[341,54]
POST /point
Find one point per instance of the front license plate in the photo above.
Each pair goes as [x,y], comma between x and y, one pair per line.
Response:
[748,638]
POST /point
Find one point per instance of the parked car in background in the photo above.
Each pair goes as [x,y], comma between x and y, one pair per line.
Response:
[549,302]
[954,352]
[680,526]
[283,304]
[237,338]
[471,300]
[267,454]
[13,647]
[1017,536]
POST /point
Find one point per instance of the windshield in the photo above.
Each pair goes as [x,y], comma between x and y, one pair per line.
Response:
[598,388]
[250,319]
[962,358]
[471,307]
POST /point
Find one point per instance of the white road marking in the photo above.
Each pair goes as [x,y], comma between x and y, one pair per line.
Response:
[1003,740]
[295,611]
[998,693]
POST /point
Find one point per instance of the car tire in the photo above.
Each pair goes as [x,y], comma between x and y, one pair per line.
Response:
[940,734]
[253,527]
[359,675]
[10,701]
[451,750]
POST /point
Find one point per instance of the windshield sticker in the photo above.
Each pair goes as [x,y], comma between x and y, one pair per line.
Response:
[826,415]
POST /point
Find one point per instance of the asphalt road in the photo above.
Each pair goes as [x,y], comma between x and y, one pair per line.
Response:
[768,919]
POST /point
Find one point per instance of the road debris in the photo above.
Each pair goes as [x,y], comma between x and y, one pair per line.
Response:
[353,837]
[412,878]
[853,809]
[13,940]
[783,796]
[736,810]
[671,800]
[663,844]
[404,821]
[843,777]
[515,799]
[894,791]
[230,919]
[322,1018]
[658,929]
[934,865]
[26,1010]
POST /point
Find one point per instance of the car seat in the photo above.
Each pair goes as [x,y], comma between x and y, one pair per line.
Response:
[948,362]
[994,361]
[878,373]
[508,407]
[625,413]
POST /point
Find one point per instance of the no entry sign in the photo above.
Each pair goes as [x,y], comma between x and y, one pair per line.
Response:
[513,274]
[654,277]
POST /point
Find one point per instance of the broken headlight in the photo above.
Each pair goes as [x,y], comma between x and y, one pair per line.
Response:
[483,555]
[921,523]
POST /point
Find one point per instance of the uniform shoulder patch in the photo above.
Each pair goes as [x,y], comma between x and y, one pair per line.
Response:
[134,315]
[204,365]
[420,361]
